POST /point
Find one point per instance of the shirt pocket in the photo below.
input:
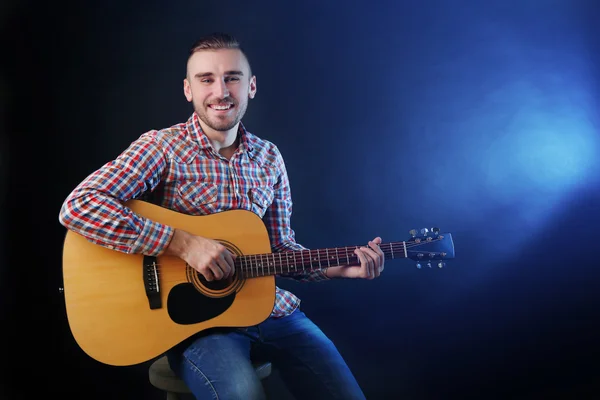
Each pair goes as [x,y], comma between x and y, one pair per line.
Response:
[261,199]
[199,197]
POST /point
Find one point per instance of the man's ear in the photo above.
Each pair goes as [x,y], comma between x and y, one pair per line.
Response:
[252,91]
[187,90]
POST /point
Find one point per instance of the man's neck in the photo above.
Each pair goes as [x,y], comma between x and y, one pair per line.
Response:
[224,142]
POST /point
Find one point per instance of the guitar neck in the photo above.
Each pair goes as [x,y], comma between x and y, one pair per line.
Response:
[257,265]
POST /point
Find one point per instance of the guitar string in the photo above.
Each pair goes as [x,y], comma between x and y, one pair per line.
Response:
[348,251]
[292,262]
[306,256]
[255,272]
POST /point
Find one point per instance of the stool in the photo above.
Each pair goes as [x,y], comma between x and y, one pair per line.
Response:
[163,378]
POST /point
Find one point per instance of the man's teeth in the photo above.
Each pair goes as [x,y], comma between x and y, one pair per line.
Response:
[221,107]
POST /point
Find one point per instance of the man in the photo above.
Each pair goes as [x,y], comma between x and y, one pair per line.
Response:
[209,164]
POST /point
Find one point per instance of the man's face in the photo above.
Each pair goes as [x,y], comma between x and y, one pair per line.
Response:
[219,84]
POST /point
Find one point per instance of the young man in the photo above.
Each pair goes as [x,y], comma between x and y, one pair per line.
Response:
[209,164]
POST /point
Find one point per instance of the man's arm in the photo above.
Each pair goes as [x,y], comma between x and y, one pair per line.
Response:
[96,210]
[95,207]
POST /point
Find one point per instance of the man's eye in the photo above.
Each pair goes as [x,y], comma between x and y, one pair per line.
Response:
[232,78]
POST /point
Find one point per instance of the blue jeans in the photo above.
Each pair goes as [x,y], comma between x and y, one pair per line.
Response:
[217,365]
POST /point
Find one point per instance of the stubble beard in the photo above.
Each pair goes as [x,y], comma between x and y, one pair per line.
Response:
[221,123]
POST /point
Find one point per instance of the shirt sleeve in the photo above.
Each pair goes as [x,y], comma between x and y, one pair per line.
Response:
[95,207]
[277,219]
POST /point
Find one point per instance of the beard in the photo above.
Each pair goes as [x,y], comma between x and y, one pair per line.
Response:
[221,123]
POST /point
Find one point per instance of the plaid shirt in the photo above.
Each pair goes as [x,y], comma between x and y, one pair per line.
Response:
[184,173]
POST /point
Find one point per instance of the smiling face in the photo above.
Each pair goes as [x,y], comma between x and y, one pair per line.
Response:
[219,84]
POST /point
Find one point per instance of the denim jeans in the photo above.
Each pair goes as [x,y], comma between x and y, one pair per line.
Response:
[217,365]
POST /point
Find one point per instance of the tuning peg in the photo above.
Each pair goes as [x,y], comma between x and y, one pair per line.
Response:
[413,232]
[424,231]
[441,264]
[418,265]
[429,264]
[435,231]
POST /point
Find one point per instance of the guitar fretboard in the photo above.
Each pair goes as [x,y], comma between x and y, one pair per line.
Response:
[257,265]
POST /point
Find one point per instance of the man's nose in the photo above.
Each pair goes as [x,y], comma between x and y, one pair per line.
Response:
[221,90]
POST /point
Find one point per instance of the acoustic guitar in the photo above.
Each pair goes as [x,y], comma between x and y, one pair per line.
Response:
[126,309]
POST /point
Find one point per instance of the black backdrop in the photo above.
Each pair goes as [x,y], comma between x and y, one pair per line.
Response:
[376,107]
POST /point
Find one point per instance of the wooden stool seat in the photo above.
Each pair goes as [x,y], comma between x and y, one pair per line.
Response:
[162,377]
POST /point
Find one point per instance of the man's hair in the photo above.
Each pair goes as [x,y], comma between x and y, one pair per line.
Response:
[216,41]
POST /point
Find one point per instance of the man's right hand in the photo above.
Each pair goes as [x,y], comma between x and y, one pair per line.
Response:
[207,256]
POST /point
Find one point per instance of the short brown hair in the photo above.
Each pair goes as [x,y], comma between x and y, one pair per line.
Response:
[216,41]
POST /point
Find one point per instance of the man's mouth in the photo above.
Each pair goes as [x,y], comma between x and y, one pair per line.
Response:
[221,107]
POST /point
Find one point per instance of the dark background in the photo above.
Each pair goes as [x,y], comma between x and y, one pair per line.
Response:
[480,117]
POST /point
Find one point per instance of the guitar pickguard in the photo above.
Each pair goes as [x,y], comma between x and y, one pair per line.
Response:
[186,305]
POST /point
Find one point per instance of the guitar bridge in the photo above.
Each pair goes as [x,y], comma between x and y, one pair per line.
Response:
[151,282]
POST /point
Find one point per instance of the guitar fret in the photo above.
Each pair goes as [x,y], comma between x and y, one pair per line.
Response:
[265,258]
[267,264]
[392,248]
[327,254]
[261,265]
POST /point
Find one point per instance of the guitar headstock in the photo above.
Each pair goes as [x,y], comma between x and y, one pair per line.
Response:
[429,244]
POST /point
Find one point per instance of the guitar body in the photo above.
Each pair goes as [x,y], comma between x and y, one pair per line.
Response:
[106,293]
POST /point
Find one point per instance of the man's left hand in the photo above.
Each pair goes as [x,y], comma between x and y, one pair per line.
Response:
[371,265]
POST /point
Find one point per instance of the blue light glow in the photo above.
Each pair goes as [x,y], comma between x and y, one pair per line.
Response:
[545,151]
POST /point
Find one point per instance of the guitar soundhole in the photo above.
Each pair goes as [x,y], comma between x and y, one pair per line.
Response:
[217,288]
[216,285]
